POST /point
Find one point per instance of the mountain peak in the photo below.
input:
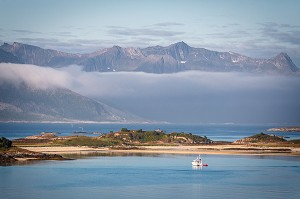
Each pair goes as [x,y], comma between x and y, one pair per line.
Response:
[181,45]
[117,47]
[283,62]
[177,57]
[17,44]
[282,55]
[5,44]
[179,51]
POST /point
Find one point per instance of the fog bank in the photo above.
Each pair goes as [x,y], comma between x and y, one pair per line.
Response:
[188,97]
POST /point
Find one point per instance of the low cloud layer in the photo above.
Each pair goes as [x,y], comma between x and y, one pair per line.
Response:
[35,76]
[181,97]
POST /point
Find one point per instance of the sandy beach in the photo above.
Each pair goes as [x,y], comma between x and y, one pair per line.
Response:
[209,149]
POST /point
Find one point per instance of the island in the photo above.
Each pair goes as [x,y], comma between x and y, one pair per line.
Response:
[285,129]
[10,154]
[51,146]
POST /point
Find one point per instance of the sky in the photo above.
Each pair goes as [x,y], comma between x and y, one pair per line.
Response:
[256,28]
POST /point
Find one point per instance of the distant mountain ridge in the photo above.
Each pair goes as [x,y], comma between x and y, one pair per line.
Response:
[24,103]
[7,57]
[174,58]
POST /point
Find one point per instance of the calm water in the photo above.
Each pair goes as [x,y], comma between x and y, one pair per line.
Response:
[160,176]
[225,132]
[138,176]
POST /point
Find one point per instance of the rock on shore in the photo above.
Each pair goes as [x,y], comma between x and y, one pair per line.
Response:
[15,154]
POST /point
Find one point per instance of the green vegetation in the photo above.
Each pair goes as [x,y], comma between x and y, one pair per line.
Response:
[124,130]
[86,141]
[130,137]
[267,140]
[262,137]
[5,143]
[193,139]
[124,137]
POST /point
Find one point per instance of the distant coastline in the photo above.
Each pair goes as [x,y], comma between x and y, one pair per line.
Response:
[286,129]
[52,146]
[82,122]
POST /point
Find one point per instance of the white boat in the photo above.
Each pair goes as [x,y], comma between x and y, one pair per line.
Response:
[198,162]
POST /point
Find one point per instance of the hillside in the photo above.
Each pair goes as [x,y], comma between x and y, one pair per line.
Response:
[24,103]
[261,138]
[7,57]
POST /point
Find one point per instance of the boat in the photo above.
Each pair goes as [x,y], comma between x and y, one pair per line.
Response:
[198,162]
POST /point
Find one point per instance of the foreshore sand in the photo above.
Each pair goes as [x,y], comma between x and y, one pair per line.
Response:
[209,149]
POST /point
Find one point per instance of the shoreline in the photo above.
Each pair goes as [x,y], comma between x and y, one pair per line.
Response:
[183,150]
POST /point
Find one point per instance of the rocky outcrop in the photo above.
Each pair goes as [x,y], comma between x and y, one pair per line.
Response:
[10,154]
[15,154]
[6,159]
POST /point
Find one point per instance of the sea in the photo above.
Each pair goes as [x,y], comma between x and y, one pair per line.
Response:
[136,176]
[216,132]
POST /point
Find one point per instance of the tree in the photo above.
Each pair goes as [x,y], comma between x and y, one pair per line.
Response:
[5,143]
[124,130]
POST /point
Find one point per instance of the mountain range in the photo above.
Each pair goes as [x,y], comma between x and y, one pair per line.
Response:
[25,103]
[174,58]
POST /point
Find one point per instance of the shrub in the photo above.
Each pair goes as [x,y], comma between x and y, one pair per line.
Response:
[5,143]
[88,141]
[124,130]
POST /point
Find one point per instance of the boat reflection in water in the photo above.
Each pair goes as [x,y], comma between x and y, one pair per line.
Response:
[197,167]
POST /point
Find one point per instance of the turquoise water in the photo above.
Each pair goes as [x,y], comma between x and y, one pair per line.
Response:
[154,176]
[138,176]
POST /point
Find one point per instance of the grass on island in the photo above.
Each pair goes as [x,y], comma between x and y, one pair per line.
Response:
[265,138]
[124,137]
[86,141]
[268,140]
[135,138]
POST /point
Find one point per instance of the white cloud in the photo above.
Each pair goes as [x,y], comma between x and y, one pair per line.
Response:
[192,96]
[35,76]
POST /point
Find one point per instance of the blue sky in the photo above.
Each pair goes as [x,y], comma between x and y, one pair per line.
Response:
[257,28]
